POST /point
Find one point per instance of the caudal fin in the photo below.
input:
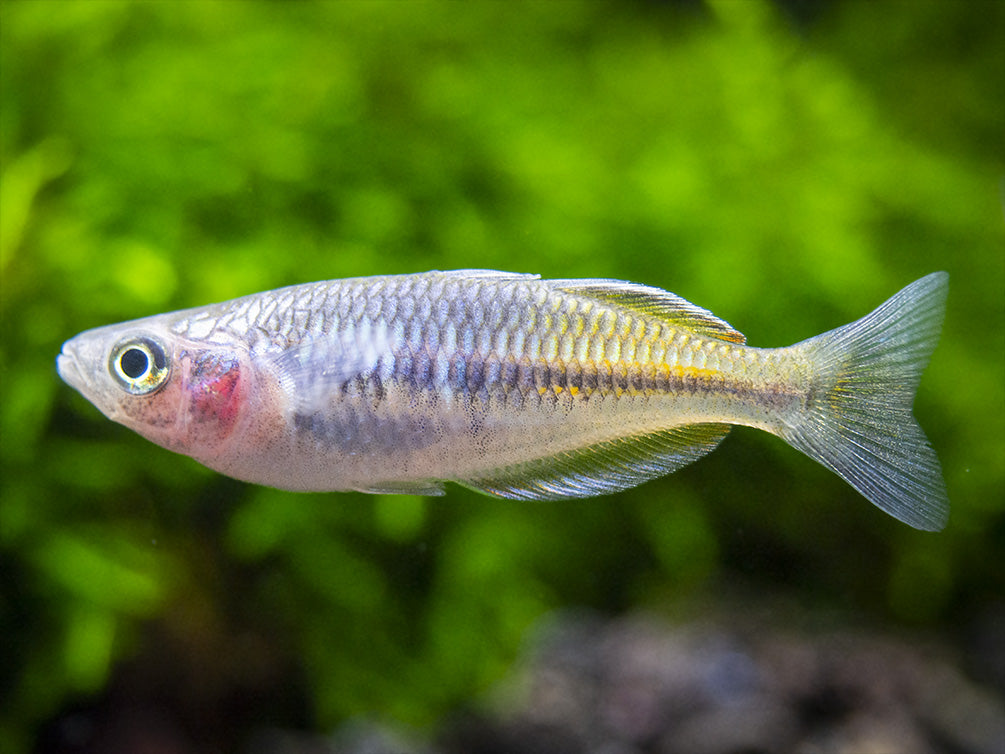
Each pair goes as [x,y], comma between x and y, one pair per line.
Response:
[858,421]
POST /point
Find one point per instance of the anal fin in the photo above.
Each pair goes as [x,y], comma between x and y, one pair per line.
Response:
[603,468]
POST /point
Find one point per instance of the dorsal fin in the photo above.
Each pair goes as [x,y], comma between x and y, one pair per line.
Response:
[476,274]
[655,302]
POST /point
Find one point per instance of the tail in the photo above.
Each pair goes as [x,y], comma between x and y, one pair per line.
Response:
[858,420]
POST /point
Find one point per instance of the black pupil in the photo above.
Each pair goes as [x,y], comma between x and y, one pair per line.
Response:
[134,363]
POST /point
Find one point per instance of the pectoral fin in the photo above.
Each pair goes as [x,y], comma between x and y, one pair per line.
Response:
[312,370]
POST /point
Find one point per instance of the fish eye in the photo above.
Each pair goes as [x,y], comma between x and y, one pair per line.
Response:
[139,365]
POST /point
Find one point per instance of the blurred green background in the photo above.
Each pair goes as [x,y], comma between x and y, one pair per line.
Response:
[786,165]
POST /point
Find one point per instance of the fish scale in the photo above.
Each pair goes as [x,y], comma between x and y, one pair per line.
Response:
[511,385]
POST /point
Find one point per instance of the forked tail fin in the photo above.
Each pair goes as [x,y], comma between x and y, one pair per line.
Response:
[858,421]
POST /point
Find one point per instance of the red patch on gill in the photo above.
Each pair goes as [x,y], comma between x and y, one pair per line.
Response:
[213,390]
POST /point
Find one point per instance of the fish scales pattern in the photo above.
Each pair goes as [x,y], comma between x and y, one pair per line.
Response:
[487,339]
[514,341]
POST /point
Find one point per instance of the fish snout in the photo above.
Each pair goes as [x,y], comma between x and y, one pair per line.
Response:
[68,367]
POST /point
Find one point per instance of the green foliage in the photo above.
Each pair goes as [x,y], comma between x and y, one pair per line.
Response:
[163,155]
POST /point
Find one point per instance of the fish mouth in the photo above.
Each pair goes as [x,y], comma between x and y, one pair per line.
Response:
[68,368]
[72,366]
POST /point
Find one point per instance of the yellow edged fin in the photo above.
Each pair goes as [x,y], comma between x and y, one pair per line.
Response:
[655,302]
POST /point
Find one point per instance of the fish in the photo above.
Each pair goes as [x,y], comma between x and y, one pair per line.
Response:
[512,385]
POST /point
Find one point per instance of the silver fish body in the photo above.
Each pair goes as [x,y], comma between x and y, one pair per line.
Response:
[512,385]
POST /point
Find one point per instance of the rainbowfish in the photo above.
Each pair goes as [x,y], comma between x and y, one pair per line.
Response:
[513,386]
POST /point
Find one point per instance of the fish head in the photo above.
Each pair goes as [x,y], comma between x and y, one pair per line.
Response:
[183,395]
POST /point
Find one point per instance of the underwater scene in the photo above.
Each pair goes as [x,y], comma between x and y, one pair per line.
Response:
[507,483]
